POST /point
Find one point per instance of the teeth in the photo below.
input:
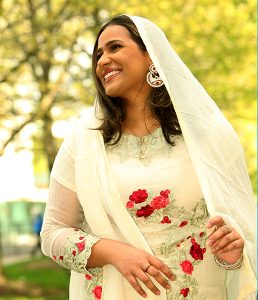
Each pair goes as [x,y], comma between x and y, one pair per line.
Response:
[110,74]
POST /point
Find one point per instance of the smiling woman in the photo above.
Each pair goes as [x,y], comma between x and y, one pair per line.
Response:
[122,66]
[143,194]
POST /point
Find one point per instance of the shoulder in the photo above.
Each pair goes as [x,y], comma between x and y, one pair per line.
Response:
[88,119]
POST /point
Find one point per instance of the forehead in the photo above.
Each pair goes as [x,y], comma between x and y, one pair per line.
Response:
[113,32]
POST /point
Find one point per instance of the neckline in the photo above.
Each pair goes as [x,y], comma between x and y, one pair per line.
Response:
[157,130]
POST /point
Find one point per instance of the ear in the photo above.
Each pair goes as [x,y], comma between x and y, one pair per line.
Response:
[146,54]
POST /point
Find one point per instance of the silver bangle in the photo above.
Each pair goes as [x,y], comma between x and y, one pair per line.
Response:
[226,266]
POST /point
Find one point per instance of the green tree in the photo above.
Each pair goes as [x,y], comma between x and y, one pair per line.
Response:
[45,66]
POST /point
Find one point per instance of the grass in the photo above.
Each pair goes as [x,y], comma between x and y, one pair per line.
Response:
[42,273]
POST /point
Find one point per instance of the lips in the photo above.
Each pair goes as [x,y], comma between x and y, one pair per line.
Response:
[109,73]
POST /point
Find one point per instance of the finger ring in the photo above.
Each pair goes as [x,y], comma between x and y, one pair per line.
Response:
[146,269]
[228,228]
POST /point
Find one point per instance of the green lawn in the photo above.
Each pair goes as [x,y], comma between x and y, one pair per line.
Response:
[42,273]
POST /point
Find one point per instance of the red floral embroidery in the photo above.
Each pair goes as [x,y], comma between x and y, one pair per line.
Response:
[138,196]
[183,223]
[201,234]
[97,291]
[145,211]
[187,267]
[196,251]
[54,257]
[184,292]
[73,253]
[81,238]
[165,220]
[61,257]
[88,277]
[80,246]
[130,204]
[159,202]
[165,193]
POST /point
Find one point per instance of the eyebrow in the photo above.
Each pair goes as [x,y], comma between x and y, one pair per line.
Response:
[108,44]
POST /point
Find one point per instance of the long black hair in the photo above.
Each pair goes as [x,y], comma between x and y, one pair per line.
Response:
[113,108]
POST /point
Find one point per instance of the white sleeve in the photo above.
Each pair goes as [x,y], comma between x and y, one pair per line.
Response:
[62,236]
[63,169]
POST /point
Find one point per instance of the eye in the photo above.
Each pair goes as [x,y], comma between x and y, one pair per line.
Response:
[98,56]
[115,47]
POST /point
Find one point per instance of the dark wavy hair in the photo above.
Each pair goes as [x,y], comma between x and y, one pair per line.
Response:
[113,108]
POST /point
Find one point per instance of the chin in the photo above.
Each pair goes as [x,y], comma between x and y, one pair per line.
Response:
[111,93]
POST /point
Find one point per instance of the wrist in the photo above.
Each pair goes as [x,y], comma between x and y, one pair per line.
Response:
[227,266]
[103,253]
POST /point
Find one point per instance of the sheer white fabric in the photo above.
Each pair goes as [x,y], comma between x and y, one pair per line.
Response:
[214,147]
[63,214]
[65,236]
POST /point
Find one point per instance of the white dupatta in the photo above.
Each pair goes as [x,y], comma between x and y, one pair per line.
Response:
[216,154]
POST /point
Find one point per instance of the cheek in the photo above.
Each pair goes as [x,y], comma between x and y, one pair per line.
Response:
[98,72]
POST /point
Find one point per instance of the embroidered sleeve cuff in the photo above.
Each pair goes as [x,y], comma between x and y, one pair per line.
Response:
[76,251]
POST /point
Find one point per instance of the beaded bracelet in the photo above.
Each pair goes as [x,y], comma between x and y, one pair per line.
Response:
[226,266]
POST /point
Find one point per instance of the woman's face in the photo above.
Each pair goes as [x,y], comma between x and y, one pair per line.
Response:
[122,66]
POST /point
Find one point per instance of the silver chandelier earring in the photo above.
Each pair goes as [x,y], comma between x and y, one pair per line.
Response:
[153,77]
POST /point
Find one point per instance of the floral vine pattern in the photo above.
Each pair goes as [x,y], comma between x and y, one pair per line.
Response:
[184,247]
[93,284]
[128,146]
[77,251]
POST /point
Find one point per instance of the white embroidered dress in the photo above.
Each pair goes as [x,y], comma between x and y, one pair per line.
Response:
[162,195]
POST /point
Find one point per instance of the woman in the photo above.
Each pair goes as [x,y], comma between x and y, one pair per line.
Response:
[141,192]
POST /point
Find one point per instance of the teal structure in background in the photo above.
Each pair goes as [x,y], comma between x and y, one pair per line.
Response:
[16,226]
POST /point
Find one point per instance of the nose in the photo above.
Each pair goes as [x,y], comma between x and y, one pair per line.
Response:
[103,60]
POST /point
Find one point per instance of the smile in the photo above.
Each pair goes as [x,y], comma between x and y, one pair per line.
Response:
[110,74]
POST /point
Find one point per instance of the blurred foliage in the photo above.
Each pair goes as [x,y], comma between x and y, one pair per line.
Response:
[34,273]
[46,47]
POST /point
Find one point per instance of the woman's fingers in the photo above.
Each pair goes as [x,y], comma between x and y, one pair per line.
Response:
[159,265]
[230,242]
[215,221]
[142,269]
[147,281]
[156,271]
[159,277]
[237,244]
[134,283]
[225,242]
[218,234]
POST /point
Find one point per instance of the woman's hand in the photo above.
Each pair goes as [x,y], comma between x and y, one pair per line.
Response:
[225,242]
[136,265]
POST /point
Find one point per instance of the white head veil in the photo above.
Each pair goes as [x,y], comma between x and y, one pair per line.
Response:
[214,147]
[216,154]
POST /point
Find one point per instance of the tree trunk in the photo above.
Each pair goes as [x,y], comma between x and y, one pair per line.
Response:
[48,141]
